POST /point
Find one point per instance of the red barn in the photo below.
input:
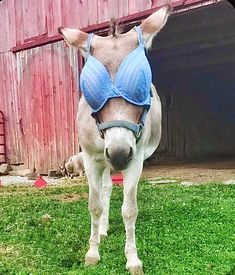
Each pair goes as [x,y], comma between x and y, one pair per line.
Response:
[193,64]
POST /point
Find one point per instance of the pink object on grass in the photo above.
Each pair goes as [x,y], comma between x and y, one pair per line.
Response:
[117,179]
[40,182]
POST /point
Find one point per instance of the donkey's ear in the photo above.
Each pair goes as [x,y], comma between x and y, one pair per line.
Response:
[154,23]
[74,37]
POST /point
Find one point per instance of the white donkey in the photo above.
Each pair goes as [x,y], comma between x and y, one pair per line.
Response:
[119,122]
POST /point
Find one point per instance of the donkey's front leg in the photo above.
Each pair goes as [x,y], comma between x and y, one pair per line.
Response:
[106,194]
[129,213]
[94,172]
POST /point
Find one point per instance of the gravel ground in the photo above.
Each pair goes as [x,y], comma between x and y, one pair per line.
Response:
[9,180]
[186,173]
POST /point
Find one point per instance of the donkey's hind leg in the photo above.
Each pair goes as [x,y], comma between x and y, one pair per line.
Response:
[94,171]
[106,194]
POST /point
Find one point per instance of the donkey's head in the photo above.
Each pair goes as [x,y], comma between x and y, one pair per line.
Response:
[116,81]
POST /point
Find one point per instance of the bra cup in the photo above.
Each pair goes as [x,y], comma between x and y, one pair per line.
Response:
[95,82]
[132,82]
[135,85]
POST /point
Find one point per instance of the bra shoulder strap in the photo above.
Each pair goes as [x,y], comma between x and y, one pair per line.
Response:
[140,36]
[89,43]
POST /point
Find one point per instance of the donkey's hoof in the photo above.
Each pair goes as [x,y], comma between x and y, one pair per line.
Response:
[91,258]
[136,270]
[91,261]
[135,267]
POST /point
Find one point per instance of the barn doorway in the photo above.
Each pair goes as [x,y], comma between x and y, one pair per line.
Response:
[193,65]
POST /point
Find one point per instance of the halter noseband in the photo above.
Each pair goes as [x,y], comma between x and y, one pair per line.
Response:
[135,128]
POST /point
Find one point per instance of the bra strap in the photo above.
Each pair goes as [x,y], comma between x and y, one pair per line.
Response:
[89,42]
[139,33]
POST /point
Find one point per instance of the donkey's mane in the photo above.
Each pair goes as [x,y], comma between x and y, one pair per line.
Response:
[114,27]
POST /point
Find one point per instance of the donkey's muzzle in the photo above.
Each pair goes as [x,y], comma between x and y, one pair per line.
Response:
[119,158]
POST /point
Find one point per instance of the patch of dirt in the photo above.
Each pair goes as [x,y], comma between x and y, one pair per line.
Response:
[64,182]
[5,194]
[201,172]
[71,197]
[8,250]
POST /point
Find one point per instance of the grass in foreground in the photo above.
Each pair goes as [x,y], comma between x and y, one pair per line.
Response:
[180,230]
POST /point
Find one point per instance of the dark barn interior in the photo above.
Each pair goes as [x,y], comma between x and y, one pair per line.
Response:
[193,62]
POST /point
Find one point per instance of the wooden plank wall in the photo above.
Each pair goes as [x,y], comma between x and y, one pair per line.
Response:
[23,20]
[48,78]
[9,105]
[38,86]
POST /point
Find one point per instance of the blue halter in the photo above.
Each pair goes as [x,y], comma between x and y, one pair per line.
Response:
[132,83]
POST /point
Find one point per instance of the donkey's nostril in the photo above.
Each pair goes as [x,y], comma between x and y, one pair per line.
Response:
[119,158]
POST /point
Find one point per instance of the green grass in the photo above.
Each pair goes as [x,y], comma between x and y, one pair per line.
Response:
[180,230]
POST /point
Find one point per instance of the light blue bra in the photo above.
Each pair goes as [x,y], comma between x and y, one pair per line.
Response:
[132,81]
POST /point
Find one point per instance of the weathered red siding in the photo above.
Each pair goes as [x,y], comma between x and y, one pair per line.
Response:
[38,86]
[2,139]
[47,101]
[24,20]
[9,105]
